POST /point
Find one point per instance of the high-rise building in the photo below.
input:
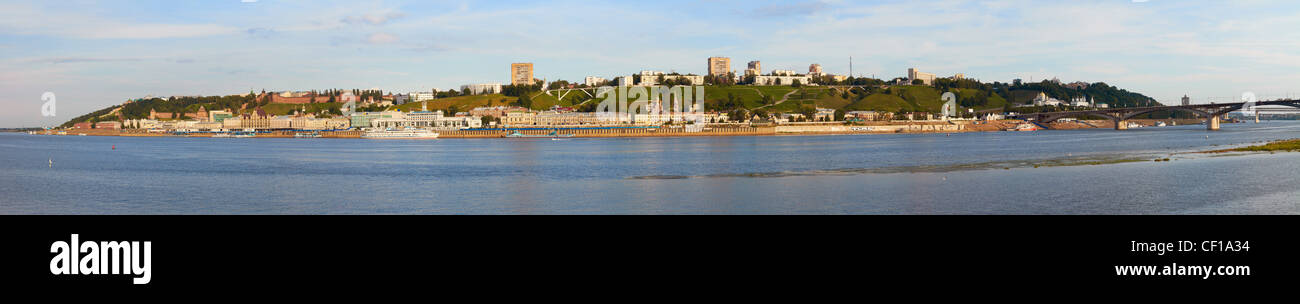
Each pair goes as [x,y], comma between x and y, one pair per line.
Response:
[521,73]
[719,66]
[815,69]
[755,68]
[1187,100]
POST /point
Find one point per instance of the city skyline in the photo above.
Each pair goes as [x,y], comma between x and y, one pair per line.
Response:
[92,54]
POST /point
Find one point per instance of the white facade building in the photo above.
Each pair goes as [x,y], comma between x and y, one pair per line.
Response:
[420,96]
[593,81]
[781,80]
[783,73]
[926,78]
[1081,102]
[1043,100]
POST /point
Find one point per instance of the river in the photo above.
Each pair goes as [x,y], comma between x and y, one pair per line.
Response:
[1047,172]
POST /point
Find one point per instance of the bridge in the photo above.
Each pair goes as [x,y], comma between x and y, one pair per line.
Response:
[1212,113]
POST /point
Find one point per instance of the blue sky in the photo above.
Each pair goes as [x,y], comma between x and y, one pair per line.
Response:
[92,54]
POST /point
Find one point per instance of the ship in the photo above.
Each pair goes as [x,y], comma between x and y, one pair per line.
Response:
[553,134]
[307,135]
[1024,127]
[235,135]
[400,134]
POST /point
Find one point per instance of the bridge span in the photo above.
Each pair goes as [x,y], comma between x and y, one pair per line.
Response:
[1213,113]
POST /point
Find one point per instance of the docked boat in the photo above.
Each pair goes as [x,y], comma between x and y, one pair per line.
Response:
[400,134]
[553,134]
[1161,124]
[235,135]
[1024,127]
[307,135]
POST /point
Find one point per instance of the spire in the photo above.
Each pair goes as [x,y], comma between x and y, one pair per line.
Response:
[424,106]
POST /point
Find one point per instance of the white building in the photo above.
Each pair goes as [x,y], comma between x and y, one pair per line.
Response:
[913,74]
[1081,102]
[592,81]
[650,78]
[1043,100]
[425,119]
[482,88]
[781,80]
[825,114]
[420,96]
[783,73]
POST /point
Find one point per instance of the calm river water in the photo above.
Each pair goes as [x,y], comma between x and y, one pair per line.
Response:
[1078,172]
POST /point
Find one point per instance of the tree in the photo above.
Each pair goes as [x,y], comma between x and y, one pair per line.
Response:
[918,82]
[808,111]
[524,101]
[839,115]
[796,83]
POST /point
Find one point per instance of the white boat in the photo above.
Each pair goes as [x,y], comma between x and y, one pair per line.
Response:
[1161,124]
[1024,127]
[400,134]
[235,135]
[306,135]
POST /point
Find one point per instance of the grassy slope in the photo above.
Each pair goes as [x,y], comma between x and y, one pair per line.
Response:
[879,102]
[543,101]
[995,102]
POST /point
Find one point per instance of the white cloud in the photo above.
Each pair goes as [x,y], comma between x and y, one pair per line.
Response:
[373,19]
[381,38]
[26,20]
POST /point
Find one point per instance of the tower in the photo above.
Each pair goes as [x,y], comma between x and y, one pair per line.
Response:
[521,73]
[719,66]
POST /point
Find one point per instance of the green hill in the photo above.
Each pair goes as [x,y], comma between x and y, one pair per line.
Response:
[461,103]
[880,102]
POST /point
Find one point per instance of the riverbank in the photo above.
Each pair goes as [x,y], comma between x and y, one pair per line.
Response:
[874,127]
[1286,145]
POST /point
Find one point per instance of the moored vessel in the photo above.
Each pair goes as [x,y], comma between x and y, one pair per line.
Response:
[1024,127]
[400,134]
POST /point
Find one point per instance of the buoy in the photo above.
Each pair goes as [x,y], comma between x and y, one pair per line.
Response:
[51,162]
[114,147]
